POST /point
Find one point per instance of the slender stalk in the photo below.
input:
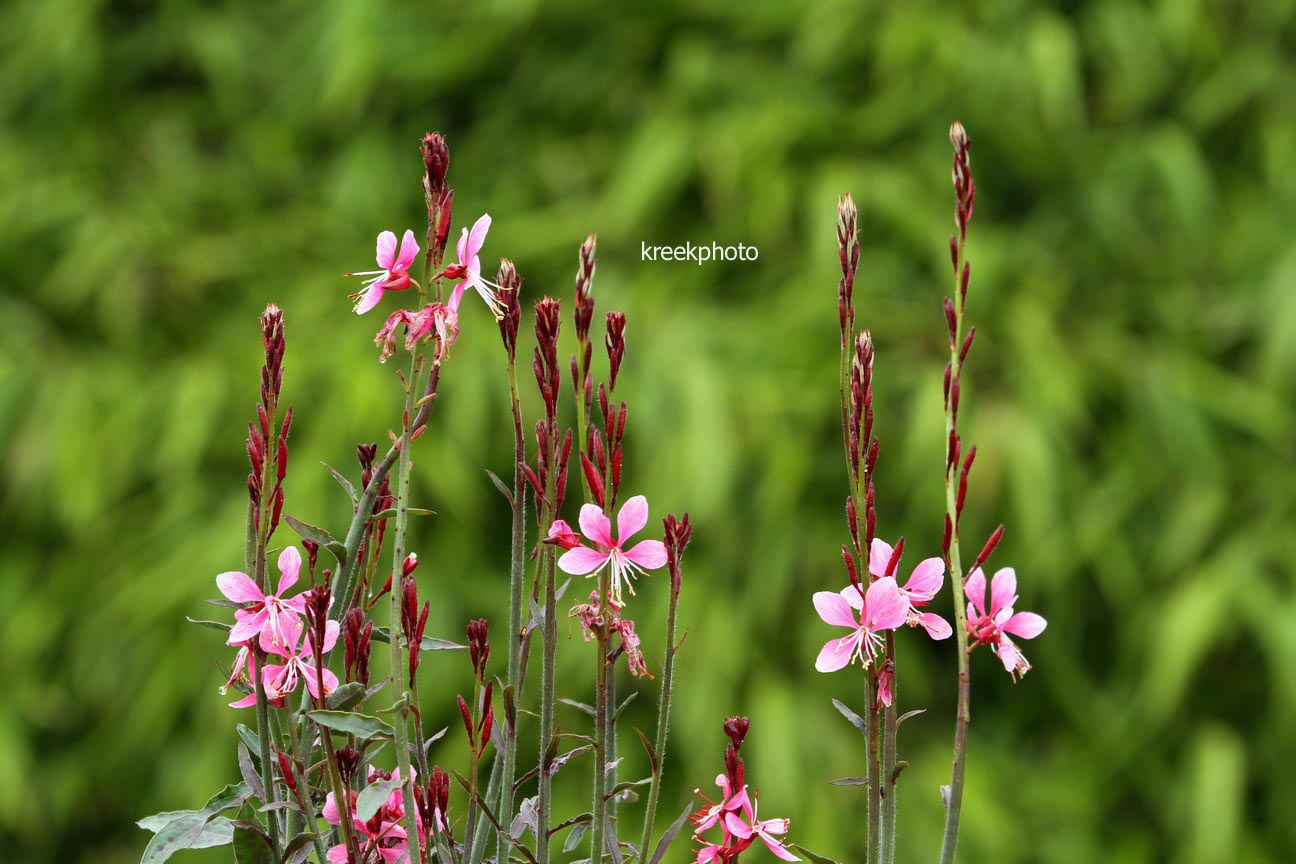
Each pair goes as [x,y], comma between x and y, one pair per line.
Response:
[963,717]
[263,735]
[889,759]
[599,810]
[398,662]
[663,721]
[294,741]
[340,792]
[874,768]
[548,658]
[470,824]
[517,562]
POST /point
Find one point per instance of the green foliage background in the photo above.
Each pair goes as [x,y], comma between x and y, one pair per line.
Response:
[168,168]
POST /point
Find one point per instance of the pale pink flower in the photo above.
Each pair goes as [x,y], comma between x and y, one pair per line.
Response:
[243,658]
[382,835]
[267,614]
[882,608]
[765,830]
[625,563]
[924,583]
[991,626]
[281,679]
[394,275]
[468,271]
[709,854]
[886,679]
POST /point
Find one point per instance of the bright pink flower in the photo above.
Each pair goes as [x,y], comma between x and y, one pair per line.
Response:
[468,271]
[268,614]
[765,830]
[382,835]
[883,608]
[394,275]
[731,801]
[561,534]
[709,854]
[991,626]
[625,563]
[281,679]
[925,581]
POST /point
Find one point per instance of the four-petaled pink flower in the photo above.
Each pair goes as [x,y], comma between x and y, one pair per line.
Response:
[991,626]
[267,614]
[394,275]
[468,271]
[925,581]
[766,830]
[731,801]
[280,679]
[883,608]
[625,563]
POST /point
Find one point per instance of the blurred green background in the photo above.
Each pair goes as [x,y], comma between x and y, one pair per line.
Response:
[168,168]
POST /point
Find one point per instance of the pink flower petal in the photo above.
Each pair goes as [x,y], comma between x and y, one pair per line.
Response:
[778,848]
[1003,589]
[370,298]
[648,554]
[632,518]
[936,626]
[581,560]
[337,854]
[595,525]
[239,587]
[331,813]
[1008,654]
[834,609]
[386,255]
[926,580]
[477,238]
[737,827]
[409,250]
[836,654]
[975,590]
[1027,625]
[290,562]
[853,597]
[246,702]
[879,557]
[885,608]
[247,625]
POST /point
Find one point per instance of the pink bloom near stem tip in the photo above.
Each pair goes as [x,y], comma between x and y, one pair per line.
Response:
[269,615]
[468,271]
[625,563]
[394,275]
[883,608]
[765,830]
[281,679]
[731,801]
[991,626]
[924,583]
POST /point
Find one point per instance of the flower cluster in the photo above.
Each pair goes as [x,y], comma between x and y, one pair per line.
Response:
[735,814]
[379,838]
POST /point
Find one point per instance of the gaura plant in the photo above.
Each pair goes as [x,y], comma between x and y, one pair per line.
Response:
[874,607]
[334,758]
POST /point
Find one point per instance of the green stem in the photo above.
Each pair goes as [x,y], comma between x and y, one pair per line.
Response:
[399,665]
[874,768]
[663,722]
[517,563]
[303,781]
[889,759]
[548,657]
[597,839]
[963,716]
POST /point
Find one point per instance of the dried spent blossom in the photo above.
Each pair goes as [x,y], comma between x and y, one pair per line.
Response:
[883,608]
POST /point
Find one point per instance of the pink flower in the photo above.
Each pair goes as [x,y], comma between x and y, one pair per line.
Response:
[280,679]
[394,275]
[560,534]
[925,581]
[242,659]
[382,835]
[468,271]
[267,614]
[886,678]
[709,854]
[731,801]
[992,626]
[883,608]
[764,830]
[625,563]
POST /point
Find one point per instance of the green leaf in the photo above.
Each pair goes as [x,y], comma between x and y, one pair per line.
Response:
[669,837]
[372,797]
[188,829]
[429,643]
[362,726]
[815,859]
[849,781]
[647,745]
[317,535]
[251,847]
[214,625]
[249,772]
[390,512]
[298,849]
[344,483]
[855,719]
[499,484]
[345,696]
